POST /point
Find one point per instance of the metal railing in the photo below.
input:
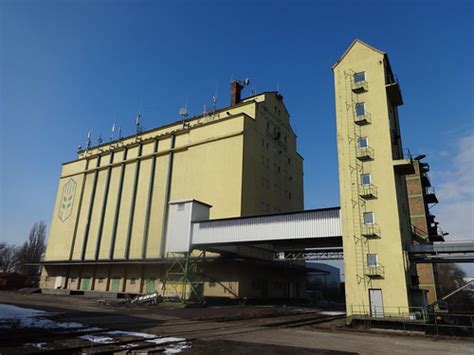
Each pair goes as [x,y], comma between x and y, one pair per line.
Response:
[370,230]
[366,118]
[366,153]
[359,86]
[375,271]
[409,318]
[410,313]
[368,191]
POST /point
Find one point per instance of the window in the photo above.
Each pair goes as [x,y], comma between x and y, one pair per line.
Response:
[360,109]
[101,280]
[73,279]
[133,281]
[365,179]
[359,77]
[180,206]
[368,217]
[372,260]
[363,142]
[212,284]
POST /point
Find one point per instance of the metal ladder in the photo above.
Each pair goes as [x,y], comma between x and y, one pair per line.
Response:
[356,168]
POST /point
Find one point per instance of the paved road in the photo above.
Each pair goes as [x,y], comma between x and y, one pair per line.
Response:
[192,324]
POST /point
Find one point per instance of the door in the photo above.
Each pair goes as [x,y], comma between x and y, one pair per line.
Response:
[376,302]
[150,286]
[58,282]
[85,283]
[115,284]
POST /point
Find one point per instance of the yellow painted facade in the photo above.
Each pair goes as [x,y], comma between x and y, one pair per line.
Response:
[112,200]
[374,207]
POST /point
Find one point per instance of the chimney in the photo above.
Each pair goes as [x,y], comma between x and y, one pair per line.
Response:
[235,90]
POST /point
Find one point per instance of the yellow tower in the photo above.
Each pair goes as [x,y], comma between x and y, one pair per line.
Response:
[372,169]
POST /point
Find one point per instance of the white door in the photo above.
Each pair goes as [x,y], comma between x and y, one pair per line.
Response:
[376,302]
[58,282]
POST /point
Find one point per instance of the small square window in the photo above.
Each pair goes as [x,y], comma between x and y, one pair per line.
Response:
[365,179]
[372,260]
[212,284]
[133,281]
[368,217]
[360,109]
[180,206]
[363,142]
[101,280]
[359,77]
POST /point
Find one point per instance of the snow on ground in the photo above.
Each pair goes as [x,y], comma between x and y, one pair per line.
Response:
[122,333]
[165,340]
[97,339]
[177,348]
[13,316]
[332,313]
[30,318]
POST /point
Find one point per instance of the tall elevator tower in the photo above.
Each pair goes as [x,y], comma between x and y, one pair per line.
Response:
[372,168]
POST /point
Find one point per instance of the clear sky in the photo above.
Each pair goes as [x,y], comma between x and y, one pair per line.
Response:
[67,67]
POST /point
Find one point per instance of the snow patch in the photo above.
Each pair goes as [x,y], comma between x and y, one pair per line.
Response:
[332,313]
[122,333]
[97,339]
[177,348]
[30,318]
[165,340]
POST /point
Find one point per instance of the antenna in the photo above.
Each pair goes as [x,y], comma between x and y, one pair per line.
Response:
[183,112]
[89,141]
[99,139]
[214,99]
[119,133]
[278,87]
[138,123]
[246,82]
[254,91]
[112,132]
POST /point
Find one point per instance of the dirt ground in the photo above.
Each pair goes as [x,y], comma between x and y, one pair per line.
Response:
[211,330]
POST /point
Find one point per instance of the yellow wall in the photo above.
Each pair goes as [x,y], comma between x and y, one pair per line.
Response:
[390,207]
[213,160]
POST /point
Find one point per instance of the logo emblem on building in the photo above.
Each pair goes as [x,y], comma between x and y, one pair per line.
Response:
[67,200]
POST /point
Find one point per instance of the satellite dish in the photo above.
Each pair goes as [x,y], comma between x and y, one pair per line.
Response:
[183,111]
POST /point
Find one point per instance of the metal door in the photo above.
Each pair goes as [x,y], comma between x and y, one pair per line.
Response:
[150,286]
[85,283]
[376,302]
[115,284]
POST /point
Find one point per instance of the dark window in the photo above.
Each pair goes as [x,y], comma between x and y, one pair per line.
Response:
[360,109]
[368,217]
[372,260]
[365,179]
[358,77]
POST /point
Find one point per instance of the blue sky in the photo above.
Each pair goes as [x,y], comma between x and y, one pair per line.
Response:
[67,67]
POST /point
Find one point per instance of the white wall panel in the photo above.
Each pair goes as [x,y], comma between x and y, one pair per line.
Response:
[307,224]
